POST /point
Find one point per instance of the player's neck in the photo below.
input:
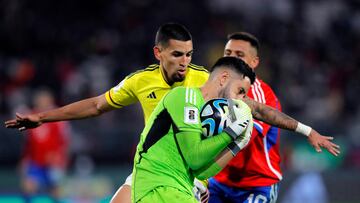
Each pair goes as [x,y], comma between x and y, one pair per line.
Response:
[164,75]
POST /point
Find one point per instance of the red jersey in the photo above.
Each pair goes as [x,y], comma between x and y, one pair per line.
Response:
[48,144]
[259,163]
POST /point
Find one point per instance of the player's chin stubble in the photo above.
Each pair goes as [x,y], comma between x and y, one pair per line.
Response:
[224,93]
[178,78]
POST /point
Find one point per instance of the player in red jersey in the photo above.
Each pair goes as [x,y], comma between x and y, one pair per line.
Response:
[253,174]
[45,152]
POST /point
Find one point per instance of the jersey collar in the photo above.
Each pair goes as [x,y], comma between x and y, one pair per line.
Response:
[176,84]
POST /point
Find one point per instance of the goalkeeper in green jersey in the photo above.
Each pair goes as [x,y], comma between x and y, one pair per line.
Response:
[171,152]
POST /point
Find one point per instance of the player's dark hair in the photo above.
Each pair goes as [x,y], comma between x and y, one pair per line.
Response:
[254,42]
[236,64]
[171,31]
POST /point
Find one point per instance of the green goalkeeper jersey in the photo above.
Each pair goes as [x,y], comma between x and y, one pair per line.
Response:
[171,150]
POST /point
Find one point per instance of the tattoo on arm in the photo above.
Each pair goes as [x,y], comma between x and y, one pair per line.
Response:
[270,115]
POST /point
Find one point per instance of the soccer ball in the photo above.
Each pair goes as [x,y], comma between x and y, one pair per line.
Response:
[214,117]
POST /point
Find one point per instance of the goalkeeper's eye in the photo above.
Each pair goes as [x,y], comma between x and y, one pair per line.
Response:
[242,91]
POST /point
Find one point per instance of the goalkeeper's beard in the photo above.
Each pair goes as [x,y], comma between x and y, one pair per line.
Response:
[225,92]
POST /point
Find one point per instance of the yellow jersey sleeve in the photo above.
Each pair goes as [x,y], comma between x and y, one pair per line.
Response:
[122,94]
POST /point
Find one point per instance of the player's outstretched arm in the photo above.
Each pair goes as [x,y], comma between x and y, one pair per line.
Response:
[78,110]
[318,141]
[271,115]
[276,118]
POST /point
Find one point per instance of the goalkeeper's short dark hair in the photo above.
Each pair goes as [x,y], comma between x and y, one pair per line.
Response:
[236,64]
[171,31]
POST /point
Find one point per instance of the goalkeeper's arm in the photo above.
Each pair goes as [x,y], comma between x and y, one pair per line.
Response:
[225,156]
[207,157]
[215,167]
[197,152]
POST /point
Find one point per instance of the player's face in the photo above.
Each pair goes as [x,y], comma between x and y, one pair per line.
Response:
[236,88]
[242,49]
[174,59]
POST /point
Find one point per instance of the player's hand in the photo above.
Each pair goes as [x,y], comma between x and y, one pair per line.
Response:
[22,122]
[318,141]
[201,191]
[240,117]
[242,141]
[204,197]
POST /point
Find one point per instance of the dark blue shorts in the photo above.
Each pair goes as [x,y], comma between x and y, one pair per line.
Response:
[221,193]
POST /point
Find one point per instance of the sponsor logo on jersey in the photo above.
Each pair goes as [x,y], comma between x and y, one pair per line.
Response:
[191,115]
[151,95]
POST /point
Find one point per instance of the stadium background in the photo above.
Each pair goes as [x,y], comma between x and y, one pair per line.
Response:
[309,55]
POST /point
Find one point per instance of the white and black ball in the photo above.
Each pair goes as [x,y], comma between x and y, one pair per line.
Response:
[214,117]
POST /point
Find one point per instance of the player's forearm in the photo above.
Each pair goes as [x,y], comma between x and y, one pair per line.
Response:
[271,115]
[214,167]
[207,171]
[77,110]
[199,153]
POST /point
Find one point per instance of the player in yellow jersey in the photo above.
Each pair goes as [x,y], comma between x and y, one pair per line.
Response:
[173,48]
[149,85]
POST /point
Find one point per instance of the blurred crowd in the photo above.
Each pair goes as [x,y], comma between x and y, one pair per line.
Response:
[310,53]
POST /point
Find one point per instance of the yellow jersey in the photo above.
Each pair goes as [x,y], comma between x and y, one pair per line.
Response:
[148,86]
